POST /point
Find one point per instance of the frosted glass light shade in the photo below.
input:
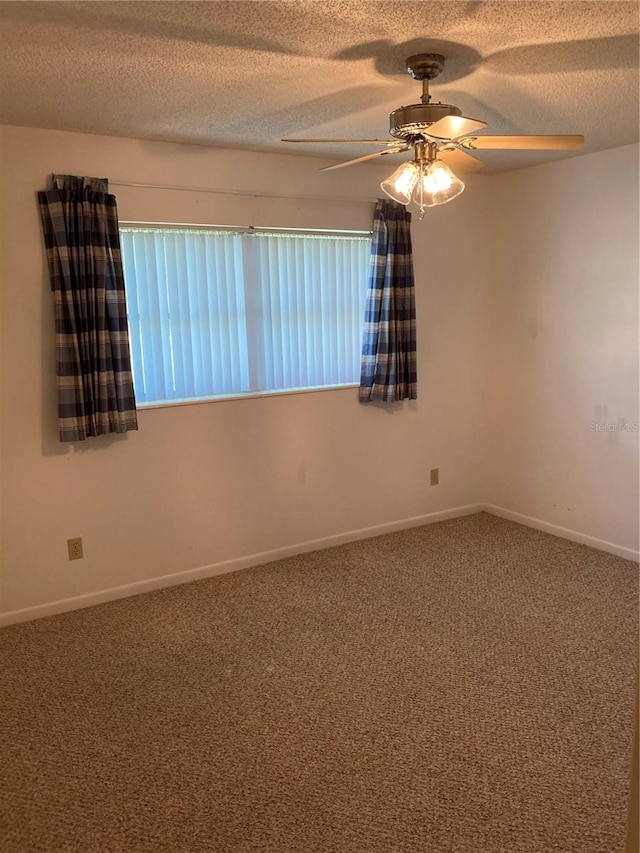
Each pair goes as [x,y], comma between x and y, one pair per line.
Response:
[400,184]
[439,185]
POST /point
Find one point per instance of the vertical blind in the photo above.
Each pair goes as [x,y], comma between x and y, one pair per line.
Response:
[214,312]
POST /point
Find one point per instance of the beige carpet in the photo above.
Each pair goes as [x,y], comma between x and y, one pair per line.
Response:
[465,686]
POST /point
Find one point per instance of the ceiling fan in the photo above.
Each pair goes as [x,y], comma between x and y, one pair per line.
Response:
[431,130]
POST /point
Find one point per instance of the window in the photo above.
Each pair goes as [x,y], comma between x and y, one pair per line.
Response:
[220,312]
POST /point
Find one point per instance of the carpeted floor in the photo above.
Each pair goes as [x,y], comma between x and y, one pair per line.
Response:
[465,686]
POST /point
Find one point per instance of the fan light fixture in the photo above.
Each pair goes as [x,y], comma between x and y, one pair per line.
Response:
[425,180]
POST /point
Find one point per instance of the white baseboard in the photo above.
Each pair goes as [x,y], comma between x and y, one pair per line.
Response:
[563,532]
[92,598]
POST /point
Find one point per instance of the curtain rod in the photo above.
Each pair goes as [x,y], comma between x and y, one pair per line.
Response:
[237,192]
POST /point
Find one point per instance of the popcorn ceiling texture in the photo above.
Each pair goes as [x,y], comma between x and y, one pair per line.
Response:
[465,687]
[244,74]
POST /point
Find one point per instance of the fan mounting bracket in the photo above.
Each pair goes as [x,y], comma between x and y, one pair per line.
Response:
[425,66]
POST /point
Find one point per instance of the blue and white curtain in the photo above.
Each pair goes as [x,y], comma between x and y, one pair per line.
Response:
[388,369]
[95,385]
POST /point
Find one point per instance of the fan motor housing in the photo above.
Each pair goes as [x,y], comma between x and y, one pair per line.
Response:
[416,118]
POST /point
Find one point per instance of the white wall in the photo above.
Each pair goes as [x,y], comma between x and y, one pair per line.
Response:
[563,345]
[207,483]
[527,297]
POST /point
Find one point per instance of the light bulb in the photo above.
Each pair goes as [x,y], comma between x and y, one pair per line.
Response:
[437,180]
[400,184]
[439,184]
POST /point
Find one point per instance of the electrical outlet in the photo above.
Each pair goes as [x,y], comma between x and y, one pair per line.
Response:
[435,476]
[75,548]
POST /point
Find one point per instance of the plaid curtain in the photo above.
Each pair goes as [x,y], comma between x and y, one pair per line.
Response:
[389,341]
[95,385]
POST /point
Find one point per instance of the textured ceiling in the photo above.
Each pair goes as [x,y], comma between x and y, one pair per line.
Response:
[244,74]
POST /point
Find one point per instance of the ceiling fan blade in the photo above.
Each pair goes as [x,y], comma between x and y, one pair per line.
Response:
[395,150]
[565,142]
[461,161]
[451,127]
[393,142]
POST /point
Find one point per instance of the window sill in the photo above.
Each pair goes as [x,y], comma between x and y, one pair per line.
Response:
[166,404]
